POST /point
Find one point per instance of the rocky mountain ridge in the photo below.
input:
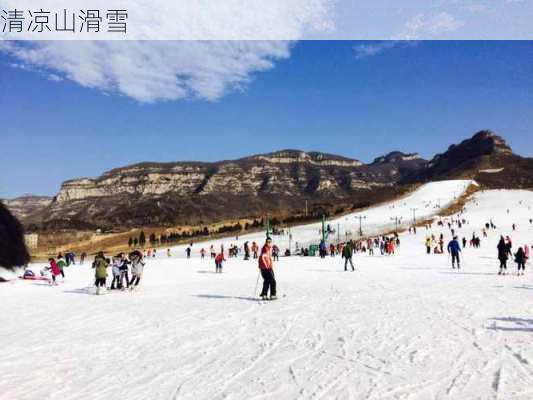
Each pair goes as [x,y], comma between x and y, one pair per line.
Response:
[279,182]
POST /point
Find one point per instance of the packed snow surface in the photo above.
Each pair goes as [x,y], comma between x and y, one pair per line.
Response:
[404,326]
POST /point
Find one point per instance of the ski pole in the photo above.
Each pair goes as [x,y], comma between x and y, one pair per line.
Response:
[256,283]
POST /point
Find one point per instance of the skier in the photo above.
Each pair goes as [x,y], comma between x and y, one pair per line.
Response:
[520,260]
[212,250]
[100,265]
[454,249]
[54,269]
[202,253]
[347,253]
[464,242]
[267,271]
[219,259]
[168,253]
[502,255]
[428,245]
[137,265]
[82,257]
[188,251]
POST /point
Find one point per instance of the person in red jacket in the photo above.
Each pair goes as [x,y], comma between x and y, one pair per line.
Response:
[54,269]
[267,272]
[218,262]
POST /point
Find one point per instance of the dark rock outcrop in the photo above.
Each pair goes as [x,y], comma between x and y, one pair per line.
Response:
[13,252]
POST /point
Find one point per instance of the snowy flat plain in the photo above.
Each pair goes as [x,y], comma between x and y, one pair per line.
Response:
[400,327]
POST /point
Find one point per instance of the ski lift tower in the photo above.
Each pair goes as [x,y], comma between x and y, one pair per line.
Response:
[361,218]
[414,216]
[324,228]
[268,229]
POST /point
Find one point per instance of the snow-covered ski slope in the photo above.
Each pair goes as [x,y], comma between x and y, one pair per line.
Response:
[427,201]
[400,327]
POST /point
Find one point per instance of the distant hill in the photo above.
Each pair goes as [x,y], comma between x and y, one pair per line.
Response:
[279,183]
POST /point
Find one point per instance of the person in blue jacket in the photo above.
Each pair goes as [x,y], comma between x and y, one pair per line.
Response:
[454,249]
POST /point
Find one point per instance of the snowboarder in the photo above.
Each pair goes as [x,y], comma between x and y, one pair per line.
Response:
[454,249]
[267,272]
[100,265]
[520,260]
[347,253]
[502,255]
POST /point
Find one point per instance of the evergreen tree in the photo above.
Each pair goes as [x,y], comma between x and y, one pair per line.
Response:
[142,238]
[130,242]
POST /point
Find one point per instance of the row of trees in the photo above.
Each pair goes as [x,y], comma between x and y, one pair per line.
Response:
[175,237]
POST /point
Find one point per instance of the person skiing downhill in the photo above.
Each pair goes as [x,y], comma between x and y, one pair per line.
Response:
[347,253]
[454,249]
[267,272]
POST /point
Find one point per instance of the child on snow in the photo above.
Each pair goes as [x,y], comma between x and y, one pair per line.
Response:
[54,269]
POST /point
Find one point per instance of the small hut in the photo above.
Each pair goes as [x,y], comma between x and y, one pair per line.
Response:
[13,252]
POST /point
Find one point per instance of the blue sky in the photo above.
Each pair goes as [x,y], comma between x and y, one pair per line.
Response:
[323,96]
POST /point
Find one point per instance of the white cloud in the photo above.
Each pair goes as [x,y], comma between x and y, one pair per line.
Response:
[152,71]
[374,48]
[156,70]
[429,26]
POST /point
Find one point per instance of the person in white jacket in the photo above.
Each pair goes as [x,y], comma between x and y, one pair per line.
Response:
[137,266]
